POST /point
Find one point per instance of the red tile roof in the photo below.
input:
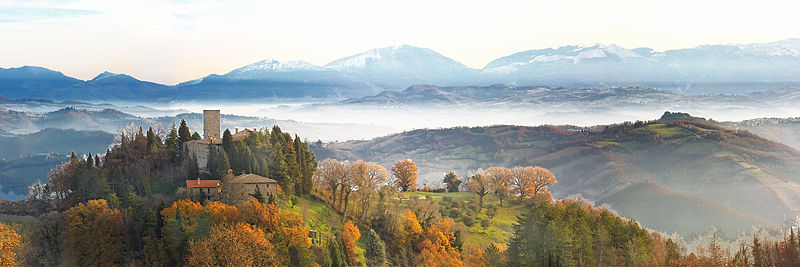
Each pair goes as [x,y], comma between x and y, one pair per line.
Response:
[202,183]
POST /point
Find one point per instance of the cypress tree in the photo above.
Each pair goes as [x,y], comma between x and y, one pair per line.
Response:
[375,252]
[89,160]
[97,161]
[227,141]
[223,164]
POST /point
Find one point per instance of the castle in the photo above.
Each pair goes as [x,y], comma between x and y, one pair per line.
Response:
[248,183]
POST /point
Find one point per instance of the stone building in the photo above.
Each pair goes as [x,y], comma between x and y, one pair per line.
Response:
[206,189]
[251,181]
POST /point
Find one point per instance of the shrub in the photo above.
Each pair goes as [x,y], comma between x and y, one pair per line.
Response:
[468,220]
[454,213]
[485,223]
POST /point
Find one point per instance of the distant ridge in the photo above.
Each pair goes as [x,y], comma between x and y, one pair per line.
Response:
[729,69]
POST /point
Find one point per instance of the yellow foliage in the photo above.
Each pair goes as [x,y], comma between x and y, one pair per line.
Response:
[9,241]
[189,210]
[94,235]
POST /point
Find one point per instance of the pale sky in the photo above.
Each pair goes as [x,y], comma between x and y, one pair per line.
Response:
[171,41]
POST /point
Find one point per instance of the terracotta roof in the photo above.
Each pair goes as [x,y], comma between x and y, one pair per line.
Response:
[202,183]
[253,179]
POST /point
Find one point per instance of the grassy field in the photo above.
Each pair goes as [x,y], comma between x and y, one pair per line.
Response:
[501,226]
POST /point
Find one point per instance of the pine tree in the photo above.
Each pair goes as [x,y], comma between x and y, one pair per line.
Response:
[196,136]
[97,161]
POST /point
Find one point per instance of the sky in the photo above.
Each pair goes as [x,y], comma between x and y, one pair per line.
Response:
[170,41]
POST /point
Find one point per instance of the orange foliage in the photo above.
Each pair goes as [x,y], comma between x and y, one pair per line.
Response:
[261,215]
[350,235]
[232,245]
[473,257]
[293,228]
[9,241]
[223,214]
[436,249]
[405,171]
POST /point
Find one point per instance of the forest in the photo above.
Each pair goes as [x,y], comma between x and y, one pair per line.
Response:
[128,207]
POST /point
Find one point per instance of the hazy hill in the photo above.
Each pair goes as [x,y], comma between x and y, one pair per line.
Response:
[54,141]
[721,168]
[546,96]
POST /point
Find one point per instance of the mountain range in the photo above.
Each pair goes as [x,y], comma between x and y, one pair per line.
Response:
[730,69]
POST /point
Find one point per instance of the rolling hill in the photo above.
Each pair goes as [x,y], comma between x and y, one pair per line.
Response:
[734,173]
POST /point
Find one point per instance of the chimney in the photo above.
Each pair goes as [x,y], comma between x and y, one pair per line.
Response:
[198,180]
[237,130]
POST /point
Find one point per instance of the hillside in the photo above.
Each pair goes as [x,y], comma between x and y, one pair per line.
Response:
[723,168]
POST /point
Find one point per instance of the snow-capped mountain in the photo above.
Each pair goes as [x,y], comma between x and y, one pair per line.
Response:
[727,69]
[702,69]
[271,66]
[396,67]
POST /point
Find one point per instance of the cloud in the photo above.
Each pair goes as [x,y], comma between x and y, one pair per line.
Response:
[27,14]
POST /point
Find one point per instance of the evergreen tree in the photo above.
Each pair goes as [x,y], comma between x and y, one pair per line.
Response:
[452,181]
[89,161]
[227,141]
[97,160]
[184,134]
[335,254]
[211,162]
[223,164]
[196,136]
[257,195]
[152,143]
[172,143]
[375,252]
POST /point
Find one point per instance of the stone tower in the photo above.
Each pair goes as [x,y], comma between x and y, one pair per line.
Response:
[211,124]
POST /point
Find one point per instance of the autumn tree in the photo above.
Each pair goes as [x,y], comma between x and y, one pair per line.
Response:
[367,177]
[9,241]
[530,181]
[436,249]
[500,179]
[481,186]
[329,177]
[349,236]
[405,173]
[239,244]
[94,235]
[452,181]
